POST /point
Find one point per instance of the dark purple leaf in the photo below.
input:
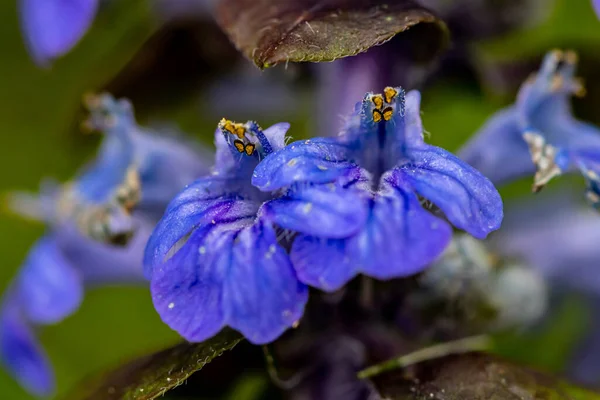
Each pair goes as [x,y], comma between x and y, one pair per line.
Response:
[474,376]
[273,31]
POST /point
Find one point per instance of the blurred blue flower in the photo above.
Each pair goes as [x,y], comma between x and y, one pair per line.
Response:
[98,226]
[558,236]
[214,260]
[377,168]
[596,4]
[539,134]
[53,27]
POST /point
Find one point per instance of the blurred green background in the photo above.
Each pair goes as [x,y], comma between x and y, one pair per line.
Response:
[40,113]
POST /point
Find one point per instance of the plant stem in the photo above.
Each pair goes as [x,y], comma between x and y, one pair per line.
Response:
[473,343]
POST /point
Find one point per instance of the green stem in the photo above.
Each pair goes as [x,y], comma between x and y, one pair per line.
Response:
[473,343]
[274,375]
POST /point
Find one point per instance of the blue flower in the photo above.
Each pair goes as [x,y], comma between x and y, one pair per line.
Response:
[557,236]
[53,27]
[215,260]
[98,226]
[538,135]
[382,165]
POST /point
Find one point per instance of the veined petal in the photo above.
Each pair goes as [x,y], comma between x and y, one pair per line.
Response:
[323,263]
[319,160]
[49,287]
[400,238]
[187,288]
[469,200]
[53,27]
[262,293]
[240,278]
[322,210]
[206,202]
[21,353]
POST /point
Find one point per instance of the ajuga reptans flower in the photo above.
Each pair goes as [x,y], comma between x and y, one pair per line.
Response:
[97,228]
[382,162]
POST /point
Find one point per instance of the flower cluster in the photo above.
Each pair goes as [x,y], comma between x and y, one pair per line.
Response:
[98,225]
[342,206]
[539,133]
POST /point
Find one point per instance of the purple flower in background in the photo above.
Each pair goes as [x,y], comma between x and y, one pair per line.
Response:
[98,226]
[50,286]
[539,134]
[596,5]
[214,260]
[558,236]
[53,27]
[381,164]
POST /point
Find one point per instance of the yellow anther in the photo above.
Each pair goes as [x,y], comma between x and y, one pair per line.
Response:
[377,116]
[390,93]
[238,130]
[239,145]
[387,113]
[557,83]
[378,101]
[242,147]
[571,57]
[579,88]
[557,54]
[249,148]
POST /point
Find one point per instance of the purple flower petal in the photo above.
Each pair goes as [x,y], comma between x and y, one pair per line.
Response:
[21,353]
[469,200]
[319,160]
[49,286]
[321,210]
[188,295]
[263,293]
[53,27]
[400,238]
[498,150]
[240,278]
[201,203]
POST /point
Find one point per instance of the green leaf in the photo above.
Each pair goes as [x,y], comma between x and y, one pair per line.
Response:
[269,32]
[151,376]
[475,376]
